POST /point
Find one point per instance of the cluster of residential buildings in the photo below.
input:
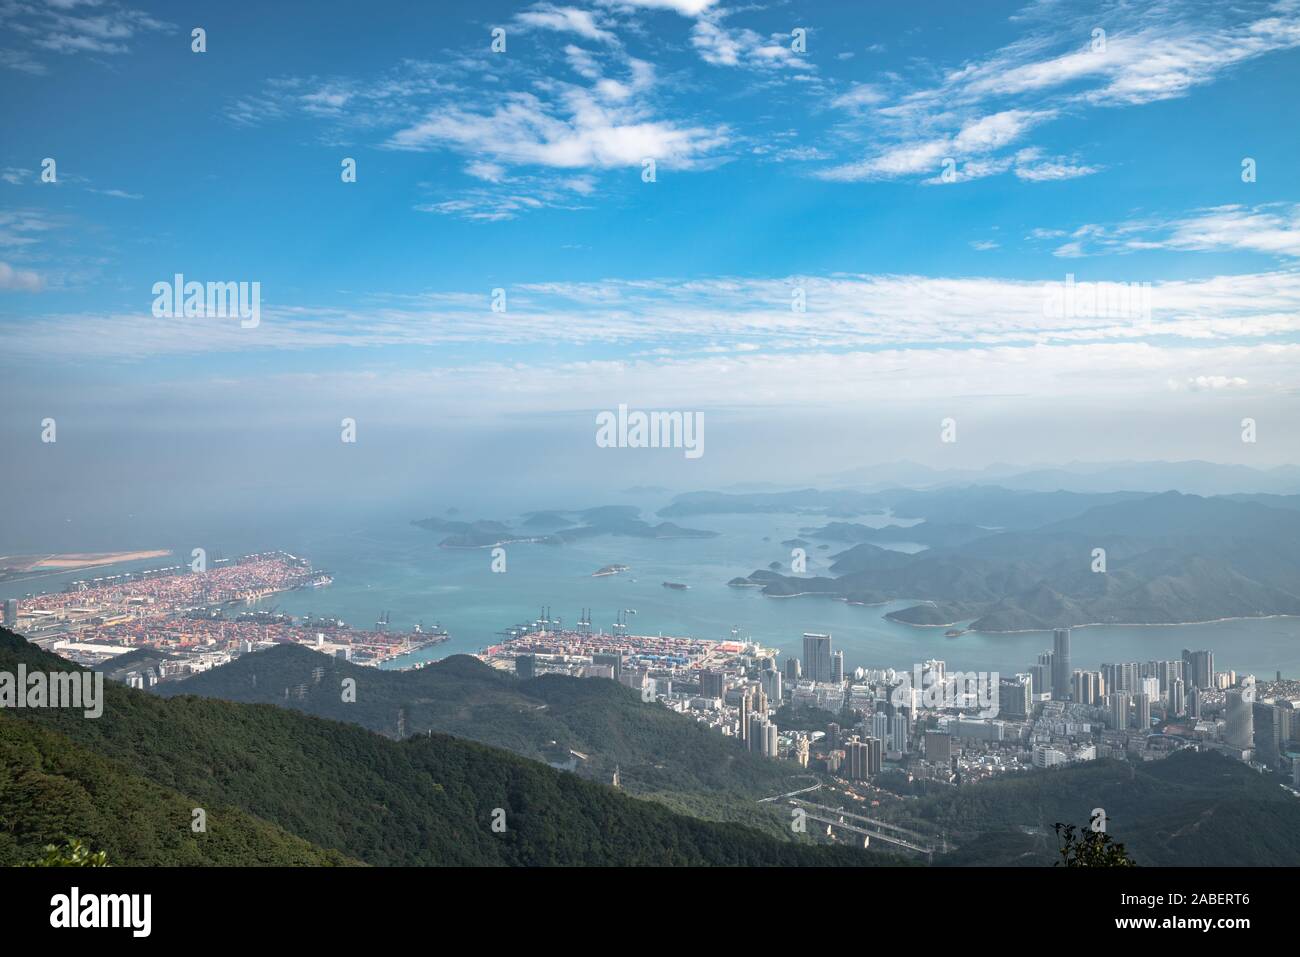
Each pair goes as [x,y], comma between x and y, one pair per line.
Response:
[937,724]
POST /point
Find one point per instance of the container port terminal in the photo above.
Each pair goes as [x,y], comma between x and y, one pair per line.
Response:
[198,620]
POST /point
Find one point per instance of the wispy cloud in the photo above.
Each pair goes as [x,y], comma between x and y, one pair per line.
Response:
[1272,229]
[728,313]
[1069,65]
[117,193]
[545,16]
[973,142]
[606,113]
[71,27]
[19,280]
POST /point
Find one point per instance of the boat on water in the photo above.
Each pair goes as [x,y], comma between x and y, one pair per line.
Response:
[677,586]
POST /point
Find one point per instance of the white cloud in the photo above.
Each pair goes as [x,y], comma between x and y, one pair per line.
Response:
[1156,52]
[859,95]
[545,16]
[1055,170]
[687,8]
[843,312]
[976,138]
[1272,229]
[720,45]
[116,193]
[23,227]
[19,280]
[1213,383]
[491,172]
[70,27]
[578,132]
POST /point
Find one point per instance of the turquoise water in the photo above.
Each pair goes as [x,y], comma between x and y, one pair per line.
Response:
[383,563]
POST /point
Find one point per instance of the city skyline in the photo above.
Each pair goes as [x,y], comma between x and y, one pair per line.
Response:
[650,433]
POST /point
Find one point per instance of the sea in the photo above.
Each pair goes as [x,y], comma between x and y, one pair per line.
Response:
[383,564]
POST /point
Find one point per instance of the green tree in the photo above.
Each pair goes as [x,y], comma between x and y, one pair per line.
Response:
[71,853]
[1092,849]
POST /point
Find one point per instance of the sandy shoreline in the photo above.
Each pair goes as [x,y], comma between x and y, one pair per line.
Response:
[74,561]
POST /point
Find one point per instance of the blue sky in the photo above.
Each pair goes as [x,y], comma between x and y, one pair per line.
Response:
[1104,141]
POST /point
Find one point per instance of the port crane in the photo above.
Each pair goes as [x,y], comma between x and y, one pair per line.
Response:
[620,625]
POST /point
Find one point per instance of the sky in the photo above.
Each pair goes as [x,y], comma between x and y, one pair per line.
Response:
[824,227]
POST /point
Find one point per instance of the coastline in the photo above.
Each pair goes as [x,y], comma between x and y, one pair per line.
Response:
[1019,631]
[1100,624]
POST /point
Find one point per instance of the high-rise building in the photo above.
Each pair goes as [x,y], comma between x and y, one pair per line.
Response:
[817,656]
[1121,677]
[1061,669]
[1150,687]
[1168,672]
[1015,698]
[1118,703]
[1177,697]
[11,612]
[526,666]
[793,671]
[1269,733]
[1142,705]
[898,731]
[1198,668]
[1040,678]
[880,725]
[837,666]
[875,756]
[833,735]
[612,661]
[1086,687]
[712,684]
[771,679]
[938,747]
[761,736]
[856,758]
[1239,721]
[743,707]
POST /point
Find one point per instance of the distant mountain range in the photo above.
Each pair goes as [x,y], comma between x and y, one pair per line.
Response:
[593,726]
[1196,477]
[557,527]
[1169,558]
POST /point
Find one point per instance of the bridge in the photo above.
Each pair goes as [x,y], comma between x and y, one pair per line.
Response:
[866,826]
